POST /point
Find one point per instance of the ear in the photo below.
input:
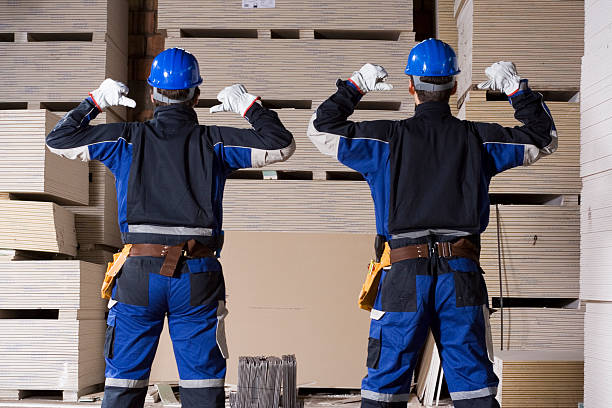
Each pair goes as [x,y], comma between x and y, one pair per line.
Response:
[152,100]
[411,88]
[454,91]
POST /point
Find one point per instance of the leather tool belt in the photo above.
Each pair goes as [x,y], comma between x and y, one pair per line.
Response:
[463,248]
[172,254]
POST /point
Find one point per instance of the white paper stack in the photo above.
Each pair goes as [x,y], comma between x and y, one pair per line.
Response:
[540,251]
[544,39]
[27,167]
[596,172]
[558,173]
[543,379]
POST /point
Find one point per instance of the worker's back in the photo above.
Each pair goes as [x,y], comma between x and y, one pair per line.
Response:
[435,168]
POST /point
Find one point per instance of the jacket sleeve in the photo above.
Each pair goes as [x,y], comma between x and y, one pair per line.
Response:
[362,146]
[267,142]
[509,147]
[73,137]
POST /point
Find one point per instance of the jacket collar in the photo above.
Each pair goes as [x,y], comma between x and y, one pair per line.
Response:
[432,109]
[175,112]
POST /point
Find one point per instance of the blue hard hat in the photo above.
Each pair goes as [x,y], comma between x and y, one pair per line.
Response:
[175,68]
[432,58]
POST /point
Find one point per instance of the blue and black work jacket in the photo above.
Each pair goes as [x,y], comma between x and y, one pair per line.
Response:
[429,174]
[170,172]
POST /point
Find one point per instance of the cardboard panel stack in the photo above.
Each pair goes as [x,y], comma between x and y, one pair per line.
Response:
[545,379]
[539,233]
[596,172]
[53,208]
[543,39]
[292,56]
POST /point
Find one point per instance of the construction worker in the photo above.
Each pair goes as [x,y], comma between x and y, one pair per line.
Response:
[429,177]
[170,174]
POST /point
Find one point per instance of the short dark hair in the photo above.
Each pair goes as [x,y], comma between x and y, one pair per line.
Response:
[177,94]
[435,96]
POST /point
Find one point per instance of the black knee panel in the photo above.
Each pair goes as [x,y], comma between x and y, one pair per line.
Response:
[367,403]
[121,397]
[483,402]
[213,397]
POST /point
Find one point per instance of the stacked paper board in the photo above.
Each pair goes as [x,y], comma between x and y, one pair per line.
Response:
[299,69]
[27,167]
[543,379]
[37,226]
[52,285]
[539,329]
[555,174]
[597,356]
[62,352]
[540,251]
[57,40]
[446,26]
[298,292]
[97,223]
[306,157]
[49,354]
[544,39]
[290,14]
[298,206]
[596,172]
[596,243]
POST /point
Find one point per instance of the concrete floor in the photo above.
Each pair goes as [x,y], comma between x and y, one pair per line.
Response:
[313,401]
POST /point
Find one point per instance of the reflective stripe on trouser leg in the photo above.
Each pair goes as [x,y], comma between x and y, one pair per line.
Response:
[132,342]
[399,336]
[461,330]
[193,330]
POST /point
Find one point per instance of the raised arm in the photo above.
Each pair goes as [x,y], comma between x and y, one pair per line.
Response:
[73,137]
[267,142]
[361,146]
[520,145]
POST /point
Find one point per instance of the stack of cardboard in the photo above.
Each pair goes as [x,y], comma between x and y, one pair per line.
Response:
[539,244]
[543,379]
[543,39]
[53,318]
[291,56]
[596,172]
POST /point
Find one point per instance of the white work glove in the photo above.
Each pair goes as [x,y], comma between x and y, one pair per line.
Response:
[371,78]
[502,77]
[111,93]
[234,98]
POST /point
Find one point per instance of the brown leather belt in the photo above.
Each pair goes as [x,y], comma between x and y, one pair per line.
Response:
[172,254]
[463,248]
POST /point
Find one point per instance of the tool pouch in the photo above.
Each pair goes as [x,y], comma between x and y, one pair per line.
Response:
[369,291]
[112,270]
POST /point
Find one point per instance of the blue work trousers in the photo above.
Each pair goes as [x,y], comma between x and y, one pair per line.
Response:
[449,296]
[194,301]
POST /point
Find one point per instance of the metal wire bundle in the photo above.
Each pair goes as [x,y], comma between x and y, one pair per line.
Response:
[260,380]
